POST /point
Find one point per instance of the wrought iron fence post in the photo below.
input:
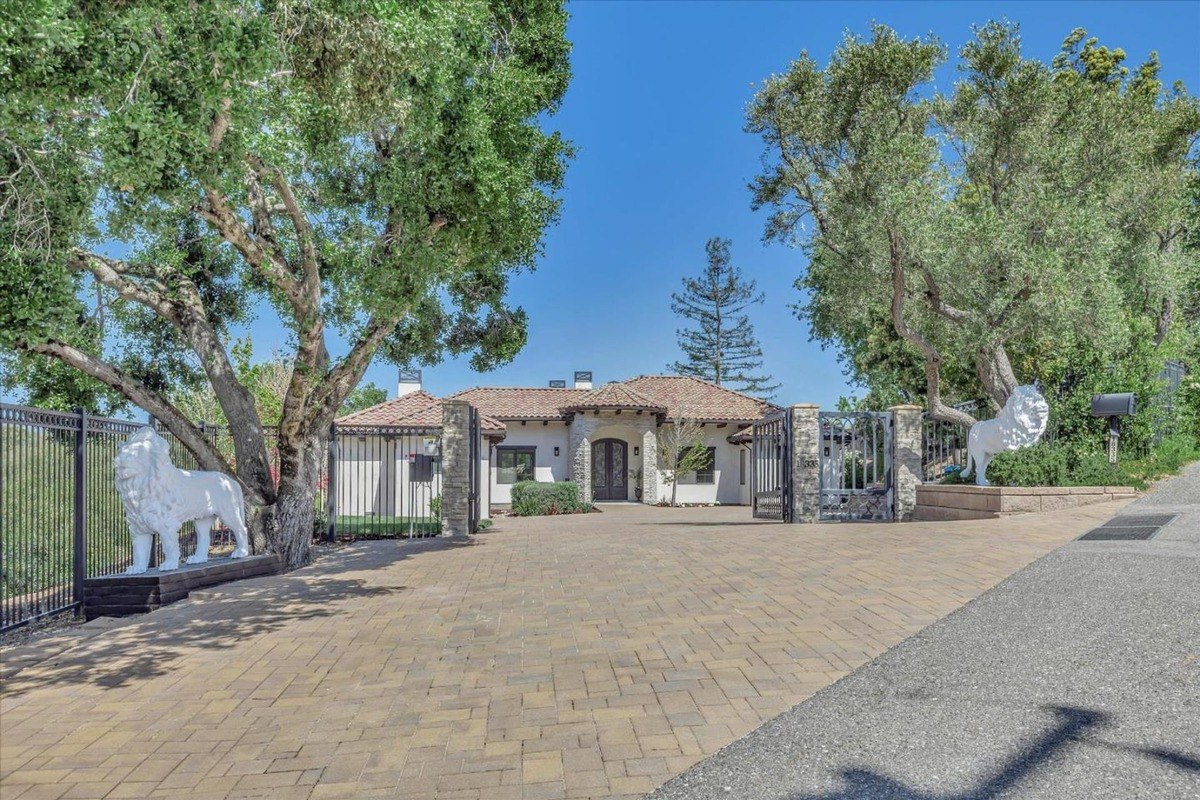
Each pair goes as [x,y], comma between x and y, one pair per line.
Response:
[331,486]
[79,560]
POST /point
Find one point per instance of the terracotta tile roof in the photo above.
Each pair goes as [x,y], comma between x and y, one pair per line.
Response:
[389,411]
[669,394]
[617,395]
[697,399]
[521,402]
[417,409]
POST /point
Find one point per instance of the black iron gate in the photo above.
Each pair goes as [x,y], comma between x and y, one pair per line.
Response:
[856,465]
[771,467]
[475,468]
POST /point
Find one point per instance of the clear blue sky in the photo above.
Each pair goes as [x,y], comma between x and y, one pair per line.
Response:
[656,109]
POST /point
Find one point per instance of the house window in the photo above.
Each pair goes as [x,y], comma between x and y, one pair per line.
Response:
[706,473]
[742,467]
[515,464]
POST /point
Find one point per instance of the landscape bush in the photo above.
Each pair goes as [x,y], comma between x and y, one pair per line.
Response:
[1078,464]
[534,499]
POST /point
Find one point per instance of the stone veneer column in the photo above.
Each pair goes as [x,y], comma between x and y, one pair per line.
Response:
[582,427]
[456,468]
[906,459]
[650,464]
[806,462]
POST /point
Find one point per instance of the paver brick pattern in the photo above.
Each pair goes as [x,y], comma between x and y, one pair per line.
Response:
[567,657]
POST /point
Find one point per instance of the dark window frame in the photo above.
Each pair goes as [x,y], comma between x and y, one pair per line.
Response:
[704,477]
[741,466]
[516,449]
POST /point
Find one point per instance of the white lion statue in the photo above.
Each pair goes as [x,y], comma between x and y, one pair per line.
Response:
[1020,423]
[159,497]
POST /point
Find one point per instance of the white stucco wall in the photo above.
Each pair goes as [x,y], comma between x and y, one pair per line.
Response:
[373,478]
[547,466]
[725,487]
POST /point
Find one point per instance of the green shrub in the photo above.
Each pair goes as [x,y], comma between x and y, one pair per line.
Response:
[1057,464]
[484,524]
[435,507]
[533,499]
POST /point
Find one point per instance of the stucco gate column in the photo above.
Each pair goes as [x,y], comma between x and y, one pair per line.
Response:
[906,459]
[456,468]
[806,462]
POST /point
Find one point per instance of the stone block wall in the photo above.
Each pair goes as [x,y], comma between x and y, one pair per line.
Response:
[456,468]
[906,459]
[806,462]
[957,502]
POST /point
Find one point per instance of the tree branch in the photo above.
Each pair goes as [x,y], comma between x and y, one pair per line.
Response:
[188,316]
[934,294]
[330,393]
[933,358]
[206,454]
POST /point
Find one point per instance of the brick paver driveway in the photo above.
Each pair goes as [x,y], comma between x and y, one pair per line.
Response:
[588,656]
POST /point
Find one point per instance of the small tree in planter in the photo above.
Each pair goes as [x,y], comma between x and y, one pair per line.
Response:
[681,449]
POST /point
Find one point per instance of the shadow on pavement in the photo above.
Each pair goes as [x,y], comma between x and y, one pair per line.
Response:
[219,618]
[1073,727]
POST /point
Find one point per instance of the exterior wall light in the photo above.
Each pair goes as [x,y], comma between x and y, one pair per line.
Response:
[635,450]
[556,451]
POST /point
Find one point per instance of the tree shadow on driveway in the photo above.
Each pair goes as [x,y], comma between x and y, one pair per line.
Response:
[217,618]
[1075,726]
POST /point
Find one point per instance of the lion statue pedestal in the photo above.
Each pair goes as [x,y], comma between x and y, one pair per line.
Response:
[1019,424]
[159,497]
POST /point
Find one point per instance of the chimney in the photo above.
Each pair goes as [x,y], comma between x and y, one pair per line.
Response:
[558,384]
[410,381]
[583,380]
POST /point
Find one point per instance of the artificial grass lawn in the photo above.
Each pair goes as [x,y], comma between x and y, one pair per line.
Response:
[387,527]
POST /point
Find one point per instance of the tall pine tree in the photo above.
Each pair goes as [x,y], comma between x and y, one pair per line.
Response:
[721,347]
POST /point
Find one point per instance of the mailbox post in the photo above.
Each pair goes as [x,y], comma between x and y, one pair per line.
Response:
[1114,406]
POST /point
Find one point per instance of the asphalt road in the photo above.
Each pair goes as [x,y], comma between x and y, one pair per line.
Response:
[1078,677]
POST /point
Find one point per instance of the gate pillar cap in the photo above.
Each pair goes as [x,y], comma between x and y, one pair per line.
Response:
[905,407]
[806,405]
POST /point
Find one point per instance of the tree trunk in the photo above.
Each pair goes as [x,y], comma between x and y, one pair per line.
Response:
[288,524]
[286,527]
[674,488]
[995,372]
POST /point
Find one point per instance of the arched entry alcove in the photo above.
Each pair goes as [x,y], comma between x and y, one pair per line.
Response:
[610,470]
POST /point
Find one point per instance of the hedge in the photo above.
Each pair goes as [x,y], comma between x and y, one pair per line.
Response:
[533,499]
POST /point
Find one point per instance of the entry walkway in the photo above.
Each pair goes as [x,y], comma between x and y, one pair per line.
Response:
[1079,677]
[584,656]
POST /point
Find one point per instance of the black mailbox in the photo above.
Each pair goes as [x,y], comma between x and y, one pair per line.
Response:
[422,468]
[1114,405]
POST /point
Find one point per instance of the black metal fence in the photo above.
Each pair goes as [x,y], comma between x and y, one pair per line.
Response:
[61,518]
[771,467]
[856,465]
[945,443]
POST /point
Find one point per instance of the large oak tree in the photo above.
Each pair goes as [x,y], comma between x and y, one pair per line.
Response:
[1031,207]
[371,169]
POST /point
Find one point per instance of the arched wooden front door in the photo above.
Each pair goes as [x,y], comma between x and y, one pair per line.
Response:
[610,476]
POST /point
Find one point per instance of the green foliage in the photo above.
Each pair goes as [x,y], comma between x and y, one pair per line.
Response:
[533,499]
[484,524]
[435,507]
[722,347]
[1032,211]
[1080,464]
[363,396]
[378,170]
